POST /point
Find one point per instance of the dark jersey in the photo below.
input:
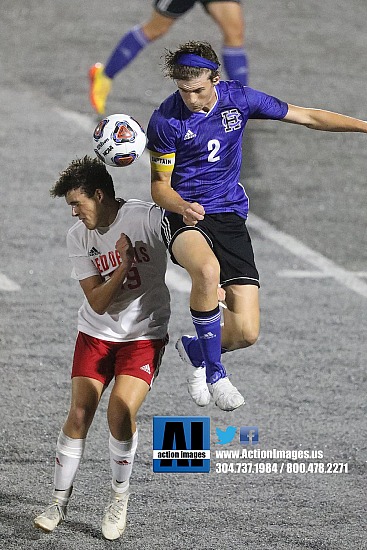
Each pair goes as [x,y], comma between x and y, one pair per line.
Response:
[208,146]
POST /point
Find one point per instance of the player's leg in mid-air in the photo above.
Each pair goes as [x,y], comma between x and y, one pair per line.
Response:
[192,251]
[240,280]
[130,45]
[229,16]
[241,317]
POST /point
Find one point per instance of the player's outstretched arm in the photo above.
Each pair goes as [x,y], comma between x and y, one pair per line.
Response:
[169,199]
[101,293]
[319,119]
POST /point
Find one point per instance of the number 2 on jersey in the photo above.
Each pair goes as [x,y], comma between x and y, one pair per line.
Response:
[213,146]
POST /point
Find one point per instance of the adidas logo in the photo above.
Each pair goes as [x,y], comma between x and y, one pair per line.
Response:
[189,135]
[207,336]
[146,368]
[93,252]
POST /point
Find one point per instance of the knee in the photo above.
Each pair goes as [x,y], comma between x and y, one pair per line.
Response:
[209,273]
[246,340]
[250,337]
[206,276]
[250,333]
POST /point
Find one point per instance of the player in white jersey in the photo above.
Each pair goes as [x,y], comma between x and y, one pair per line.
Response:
[195,139]
[120,261]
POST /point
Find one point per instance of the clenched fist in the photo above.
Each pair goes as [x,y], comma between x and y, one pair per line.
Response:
[125,249]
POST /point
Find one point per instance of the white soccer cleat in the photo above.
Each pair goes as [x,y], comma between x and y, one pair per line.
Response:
[114,519]
[197,387]
[196,381]
[225,395]
[51,517]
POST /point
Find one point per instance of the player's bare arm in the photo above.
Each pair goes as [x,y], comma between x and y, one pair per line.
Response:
[166,197]
[100,293]
[319,119]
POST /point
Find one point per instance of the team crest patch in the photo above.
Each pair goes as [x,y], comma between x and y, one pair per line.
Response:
[231,120]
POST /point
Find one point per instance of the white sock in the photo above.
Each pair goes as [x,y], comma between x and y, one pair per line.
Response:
[122,455]
[69,453]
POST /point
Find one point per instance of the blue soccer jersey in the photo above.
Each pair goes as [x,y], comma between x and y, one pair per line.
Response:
[208,146]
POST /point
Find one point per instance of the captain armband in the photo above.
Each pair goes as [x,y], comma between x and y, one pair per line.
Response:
[162,162]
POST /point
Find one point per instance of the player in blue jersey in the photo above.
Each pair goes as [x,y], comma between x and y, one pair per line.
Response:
[227,14]
[195,140]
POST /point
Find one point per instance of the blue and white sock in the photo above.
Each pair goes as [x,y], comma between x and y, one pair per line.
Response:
[208,330]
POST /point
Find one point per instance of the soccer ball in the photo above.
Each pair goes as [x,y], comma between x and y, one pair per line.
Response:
[119,140]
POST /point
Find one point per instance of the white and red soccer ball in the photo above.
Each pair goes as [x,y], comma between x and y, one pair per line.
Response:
[119,140]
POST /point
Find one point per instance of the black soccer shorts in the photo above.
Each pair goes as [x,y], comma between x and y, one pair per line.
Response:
[176,8]
[227,235]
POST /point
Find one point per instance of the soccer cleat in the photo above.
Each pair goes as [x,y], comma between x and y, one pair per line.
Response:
[51,517]
[225,395]
[198,388]
[114,519]
[100,87]
[196,381]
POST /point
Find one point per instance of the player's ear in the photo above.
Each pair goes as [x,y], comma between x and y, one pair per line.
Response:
[99,194]
[216,80]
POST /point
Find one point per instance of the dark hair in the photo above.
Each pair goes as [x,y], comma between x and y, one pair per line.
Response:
[183,72]
[88,174]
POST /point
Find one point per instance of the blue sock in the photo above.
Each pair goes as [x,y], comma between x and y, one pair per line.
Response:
[194,351]
[126,50]
[207,325]
[236,64]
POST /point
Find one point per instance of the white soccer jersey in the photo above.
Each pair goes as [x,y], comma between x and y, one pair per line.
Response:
[141,310]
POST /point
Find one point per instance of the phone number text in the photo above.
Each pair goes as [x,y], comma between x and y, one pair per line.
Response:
[282,467]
